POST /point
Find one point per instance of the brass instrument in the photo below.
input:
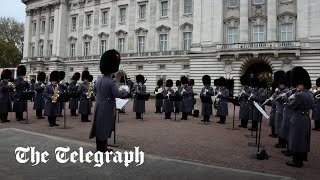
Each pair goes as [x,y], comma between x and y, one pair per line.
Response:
[55,95]
[159,91]
[284,94]
[43,85]
[90,91]
[11,85]
[317,96]
[314,89]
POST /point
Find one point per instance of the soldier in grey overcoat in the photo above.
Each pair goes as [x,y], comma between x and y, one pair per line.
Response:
[244,112]
[19,105]
[316,108]
[73,88]
[92,99]
[255,96]
[84,107]
[39,101]
[63,89]
[273,104]
[159,95]
[5,100]
[177,93]
[106,90]
[139,89]
[300,124]
[187,98]
[223,95]
[191,84]
[168,107]
[206,94]
[52,108]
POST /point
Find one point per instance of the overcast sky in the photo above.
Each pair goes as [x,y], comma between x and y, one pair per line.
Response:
[13,8]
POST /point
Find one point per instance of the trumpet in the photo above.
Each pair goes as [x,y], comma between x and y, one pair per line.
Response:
[250,96]
[55,95]
[317,96]
[314,89]
[281,96]
[159,91]
[11,85]
[205,91]
[43,85]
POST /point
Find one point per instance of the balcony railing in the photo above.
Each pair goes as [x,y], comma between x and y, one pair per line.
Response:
[260,45]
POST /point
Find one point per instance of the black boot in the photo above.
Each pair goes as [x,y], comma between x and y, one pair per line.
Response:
[297,160]
[244,123]
[316,125]
[281,143]
[273,132]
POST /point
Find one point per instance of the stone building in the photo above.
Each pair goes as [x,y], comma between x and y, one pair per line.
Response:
[171,38]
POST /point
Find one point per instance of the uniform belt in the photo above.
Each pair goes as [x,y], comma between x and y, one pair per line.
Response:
[106,99]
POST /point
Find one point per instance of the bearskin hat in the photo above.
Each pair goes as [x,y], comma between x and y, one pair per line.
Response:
[254,82]
[140,78]
[191,82]
[41,76]
[178,83]
[288,78]
[184,80]
[21,70]
[274,86]
[122,79]
[62,74]
[244,80]
[85,75]
[54,76]
[90,78]
[216,82]
[318,82]
[76,76]
[222,81]
[206,80]
[169,83]
[5,74]
[32,81]
[299,76]
[263,84]
[160,82]
[278,76]
[110,61]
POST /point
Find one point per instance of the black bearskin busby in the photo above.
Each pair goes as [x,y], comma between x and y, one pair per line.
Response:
[244,80]
[255,82]
[76,76]
[169,83]
[178,83]
[110,61]
[206,80]
[216,82]
[288,78]
[90,78]
[41,76]
[191,82]
[62,74]
[318,82]
[278,76]
[85,75]
[122,79]
[140,78]
[263,84]
[184,80]
[300,76]
[160,82]
[54,76]
[21,70]
[222,81]
[5,74]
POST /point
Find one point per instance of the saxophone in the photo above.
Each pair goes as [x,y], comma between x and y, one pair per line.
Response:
[55,94]
[90,91]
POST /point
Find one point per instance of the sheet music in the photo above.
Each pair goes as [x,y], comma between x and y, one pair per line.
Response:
[121,103]
[263,112]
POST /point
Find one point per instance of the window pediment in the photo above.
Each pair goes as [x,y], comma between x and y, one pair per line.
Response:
[103,35]
[163,28]
[186,25]
[232,20]
[141,30]
[121,32]
[87,37]
[72,38]
[287,17]
[258,19]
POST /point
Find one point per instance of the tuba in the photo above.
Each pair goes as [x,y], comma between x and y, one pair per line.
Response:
[55,94]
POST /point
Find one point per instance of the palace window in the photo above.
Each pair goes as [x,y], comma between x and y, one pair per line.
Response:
[258,1]
[123,14]
[233,35]
[86,48]
[32,49]
[103,46]
[50,49]
[186,66]
[162,67]
[141,40]
[142,11]
[105,14]
[73,23]
[258,33]
[287,32]
[34,28]
[232,3]
[41,50]
[139,67]
[187,40]
[43,26]
[88,19]
[164,8]
[72,50]
[188,6]
[163,42]
[121,45]
[51,24]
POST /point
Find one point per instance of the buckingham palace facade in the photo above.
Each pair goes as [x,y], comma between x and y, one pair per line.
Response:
[172,38]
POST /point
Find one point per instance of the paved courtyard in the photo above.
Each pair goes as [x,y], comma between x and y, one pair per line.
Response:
[191,145]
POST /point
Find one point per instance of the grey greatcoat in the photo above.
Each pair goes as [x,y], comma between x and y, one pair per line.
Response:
[244,112]
[168,104]
[106,91]
[178,103]
[280,107]
[222,109]
[316,110]
[73,102]
[39,101]
[186,104]
[84,107]
[287,114]
[19,105]
[159,97]
[51,109]
[273,112]
[207,107]
[255,96]
[139,106]
[300,123]
[5,101]
[263,93]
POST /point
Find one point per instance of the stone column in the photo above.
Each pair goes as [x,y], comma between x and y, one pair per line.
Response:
[302,19]
[27,32]
[217,21]
[61,31]
[244,20]
[47,33]
[131,21]
[272,20]
[55,32]
[207,24]
[37,36]
[197,21]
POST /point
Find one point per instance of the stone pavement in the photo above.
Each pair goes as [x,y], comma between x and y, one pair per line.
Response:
[153,168]
[186,140]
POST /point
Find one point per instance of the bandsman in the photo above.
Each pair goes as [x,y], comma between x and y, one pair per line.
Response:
[316,108]
[39,101]
[244,113]
[187,98]
[159,95]
[168,107]
[86,94]
[73,88]
[139,89]
[223,95]
[206,94]
[255,96]
[19,105]
[5,101]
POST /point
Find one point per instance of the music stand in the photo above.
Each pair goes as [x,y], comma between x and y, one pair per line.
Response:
[256,143]
[207,100]
[175,98]
[236,102]
[76,96]
[26,96]
[120,104]
[251,135]
[65,97]
[144,97]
